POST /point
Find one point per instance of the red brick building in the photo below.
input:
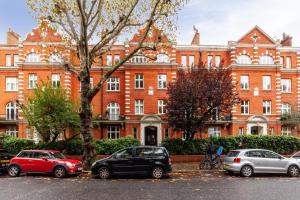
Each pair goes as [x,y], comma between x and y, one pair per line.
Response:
[265,72]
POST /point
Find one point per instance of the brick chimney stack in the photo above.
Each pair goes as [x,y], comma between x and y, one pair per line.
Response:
[286,40]
[196,38]
[12,38]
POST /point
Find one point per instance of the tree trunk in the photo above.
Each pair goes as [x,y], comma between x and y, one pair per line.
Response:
[86,119]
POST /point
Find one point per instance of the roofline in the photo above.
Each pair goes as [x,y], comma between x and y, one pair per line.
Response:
[256,26]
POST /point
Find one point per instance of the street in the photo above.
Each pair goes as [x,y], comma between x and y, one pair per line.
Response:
[212,185]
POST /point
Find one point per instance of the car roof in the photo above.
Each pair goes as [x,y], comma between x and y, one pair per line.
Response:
[39,150]
[251,150]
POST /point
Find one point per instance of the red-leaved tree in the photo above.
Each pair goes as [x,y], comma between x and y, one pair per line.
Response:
[195,97]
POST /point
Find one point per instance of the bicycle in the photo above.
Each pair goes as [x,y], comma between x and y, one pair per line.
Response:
[212,161]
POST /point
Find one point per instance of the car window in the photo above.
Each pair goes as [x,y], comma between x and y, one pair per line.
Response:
[297,155]
[126,153]
[144,152]
[269,154]
[40,155]
[158,152]
[24,154]
[256,154]
[233,154]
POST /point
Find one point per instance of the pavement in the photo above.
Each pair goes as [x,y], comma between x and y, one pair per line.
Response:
[206,185]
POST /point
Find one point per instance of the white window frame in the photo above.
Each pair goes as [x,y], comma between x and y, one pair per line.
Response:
[214,131]
[209,61]
[217,61]
[191,61]
[113,132]
[184,61]
[11,84]
[286,85]
[266,60]
[162,58]
[162,81]
[139,106]
[16,59]
[161,105]
[244,79]
[12,131]
[139,81]
[8,60]
[113,84]
[55,58]
[286,108]
[245,106]
[33,58]
[32,81]
[109,60]
[113,109]
[116,59]
[267,107]
[241,131]
[288,62]
[267,82]
[244,60]
[11,111]
[286,130]
[55,79]
[138,59]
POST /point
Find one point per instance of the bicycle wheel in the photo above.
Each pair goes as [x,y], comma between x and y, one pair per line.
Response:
[217,164]
[205,165]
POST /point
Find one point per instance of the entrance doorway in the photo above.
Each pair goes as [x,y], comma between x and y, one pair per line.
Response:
[256,130]
[151,135]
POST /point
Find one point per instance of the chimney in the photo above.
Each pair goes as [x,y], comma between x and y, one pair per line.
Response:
[196,38]
[286,40]
[12,38]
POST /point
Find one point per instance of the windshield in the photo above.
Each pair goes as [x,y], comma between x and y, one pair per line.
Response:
[57,155]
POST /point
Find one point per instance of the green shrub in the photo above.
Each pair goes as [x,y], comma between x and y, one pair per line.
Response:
[106,147]
[279,144]
[15,145]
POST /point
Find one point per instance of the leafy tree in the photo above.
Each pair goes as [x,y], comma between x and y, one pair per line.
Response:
[51,112]
[103,22]
[197,96]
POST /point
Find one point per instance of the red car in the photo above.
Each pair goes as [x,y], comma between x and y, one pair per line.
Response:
[43,161]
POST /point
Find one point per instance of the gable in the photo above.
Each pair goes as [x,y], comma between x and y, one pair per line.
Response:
[256,35]
[154,36]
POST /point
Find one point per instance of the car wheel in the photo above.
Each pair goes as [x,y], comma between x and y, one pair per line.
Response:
[104,173]
[293,171]
[246,171]
[157,172]
[14,171]
[60,172]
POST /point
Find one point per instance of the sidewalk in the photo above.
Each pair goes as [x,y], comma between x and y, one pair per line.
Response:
[190,167]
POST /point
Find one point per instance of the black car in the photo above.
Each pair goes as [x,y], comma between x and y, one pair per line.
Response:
[154,161]
[4,160]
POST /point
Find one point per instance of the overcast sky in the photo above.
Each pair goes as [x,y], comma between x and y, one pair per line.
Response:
[218,21]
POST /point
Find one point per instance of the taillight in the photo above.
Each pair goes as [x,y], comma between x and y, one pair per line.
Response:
[237,160]
[170,161]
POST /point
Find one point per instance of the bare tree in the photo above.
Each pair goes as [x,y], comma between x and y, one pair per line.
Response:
[196,96]
[102,22]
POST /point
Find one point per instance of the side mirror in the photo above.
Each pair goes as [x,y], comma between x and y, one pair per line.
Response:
[45,158]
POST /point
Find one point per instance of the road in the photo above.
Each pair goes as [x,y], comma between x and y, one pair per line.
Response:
[214,186]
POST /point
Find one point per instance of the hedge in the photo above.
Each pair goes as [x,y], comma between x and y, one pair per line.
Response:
[279,144]
[72,147]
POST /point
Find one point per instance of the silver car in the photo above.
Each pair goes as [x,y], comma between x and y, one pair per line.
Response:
[250,161]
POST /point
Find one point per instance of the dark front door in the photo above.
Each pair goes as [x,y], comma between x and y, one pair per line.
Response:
[151,135]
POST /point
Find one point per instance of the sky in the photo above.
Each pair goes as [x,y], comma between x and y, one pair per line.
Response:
[218,21]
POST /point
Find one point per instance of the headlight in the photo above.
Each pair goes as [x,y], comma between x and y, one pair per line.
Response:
[70,164]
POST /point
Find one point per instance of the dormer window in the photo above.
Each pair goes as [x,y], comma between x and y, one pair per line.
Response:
[55,58]
[139,59]
[33,58]
[162,58]
[266,60]
[244,59]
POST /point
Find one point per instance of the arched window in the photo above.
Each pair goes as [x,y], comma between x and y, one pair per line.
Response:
[113,110]
[33,57]
[266,60]
[55,58]
[138,59]
[162,58]
[244,59]
[11,111]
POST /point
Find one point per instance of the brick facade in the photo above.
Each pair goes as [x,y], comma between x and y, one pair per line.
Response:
[255,57]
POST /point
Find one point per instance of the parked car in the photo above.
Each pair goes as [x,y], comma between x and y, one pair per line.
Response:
[154,161]
[250,161]
[4,160]
[43,161]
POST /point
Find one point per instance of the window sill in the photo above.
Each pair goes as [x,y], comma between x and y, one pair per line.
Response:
[267,90]
[139,88]
[162,89]
[247,90]
[286,92]
[11,91]
[112,90]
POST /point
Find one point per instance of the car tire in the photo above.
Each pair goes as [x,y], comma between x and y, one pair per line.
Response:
[14,171]
[247,171]
[60,172]
[293,171]
[157,172]
[104,173]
